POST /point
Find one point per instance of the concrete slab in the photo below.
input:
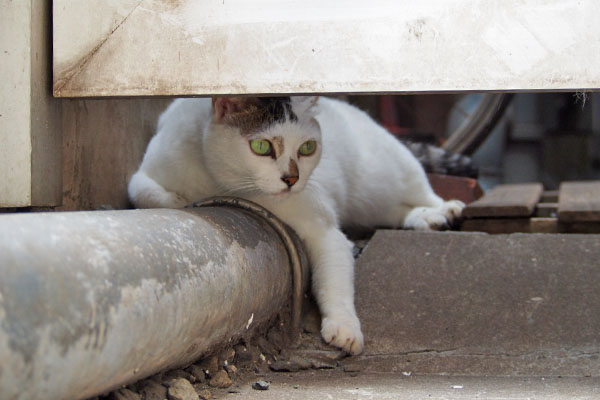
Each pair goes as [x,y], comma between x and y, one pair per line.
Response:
[337,385]
[472,303]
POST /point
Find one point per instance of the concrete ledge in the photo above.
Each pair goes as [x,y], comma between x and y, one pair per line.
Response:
[471,303]
[335,384]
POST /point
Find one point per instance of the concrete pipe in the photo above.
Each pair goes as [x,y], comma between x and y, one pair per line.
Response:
[90,301]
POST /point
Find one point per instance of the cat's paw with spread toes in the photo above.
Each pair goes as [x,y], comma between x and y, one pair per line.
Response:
[452,209]
[343,333]
[434,218]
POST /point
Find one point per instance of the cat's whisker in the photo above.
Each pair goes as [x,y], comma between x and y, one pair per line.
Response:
[246,186]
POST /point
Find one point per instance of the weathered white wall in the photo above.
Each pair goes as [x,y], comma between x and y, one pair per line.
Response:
[30,143]
[15,126]
[187,47]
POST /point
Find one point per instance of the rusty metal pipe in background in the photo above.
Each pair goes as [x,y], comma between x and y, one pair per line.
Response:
[90,301]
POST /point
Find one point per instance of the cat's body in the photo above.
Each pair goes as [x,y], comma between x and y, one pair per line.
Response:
[356,175]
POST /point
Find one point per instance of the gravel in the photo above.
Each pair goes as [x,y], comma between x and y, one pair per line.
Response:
[181,389]
[220,380]
[223,372]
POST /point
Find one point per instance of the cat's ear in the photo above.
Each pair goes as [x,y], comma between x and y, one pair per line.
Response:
[224,106]
[305,105]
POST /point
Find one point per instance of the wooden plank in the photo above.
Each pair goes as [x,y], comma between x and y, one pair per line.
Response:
[189,47]
[92,176]
[512,225]
[579,201]
[544,225]
[580,227]
[495,225]
[514,200]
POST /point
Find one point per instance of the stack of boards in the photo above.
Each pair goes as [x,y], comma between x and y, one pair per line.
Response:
[574,208]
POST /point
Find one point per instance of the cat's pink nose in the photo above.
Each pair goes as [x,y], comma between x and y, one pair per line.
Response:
[290,180]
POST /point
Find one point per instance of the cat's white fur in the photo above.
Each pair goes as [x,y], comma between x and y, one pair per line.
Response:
[359,176]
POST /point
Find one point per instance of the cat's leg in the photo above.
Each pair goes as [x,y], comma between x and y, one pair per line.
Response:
[333,286]
[421,209]
[144,192]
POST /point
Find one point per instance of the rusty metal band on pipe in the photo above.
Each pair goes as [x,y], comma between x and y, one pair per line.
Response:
[93,300]
[291,242]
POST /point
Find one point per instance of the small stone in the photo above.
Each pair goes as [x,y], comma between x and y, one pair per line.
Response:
[234,390]
[231,370]
[150,390]
[261,368]
[303,363]
[204,394]
[320,363]
[124,394]
[178,373]
[220,380]
[181,389]
[260,385]
[321,354]
[266,347]
[197,373]
[284,366]
[351,368]
[254,353]
[242,354]
[317,359]
[311,322]
[276,338]
[226,356]
[210,365]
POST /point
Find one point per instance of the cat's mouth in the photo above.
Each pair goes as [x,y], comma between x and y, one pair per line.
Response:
[282,193]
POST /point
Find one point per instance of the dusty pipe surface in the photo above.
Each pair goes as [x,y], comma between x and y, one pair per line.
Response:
[93,300]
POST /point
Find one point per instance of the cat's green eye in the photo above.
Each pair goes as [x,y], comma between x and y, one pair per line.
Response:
[261,147]
[307,148]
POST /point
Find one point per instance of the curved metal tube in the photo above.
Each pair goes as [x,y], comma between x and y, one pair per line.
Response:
[291,242]
[90,301]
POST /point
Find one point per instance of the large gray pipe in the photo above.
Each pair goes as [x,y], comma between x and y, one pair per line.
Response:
[93,300]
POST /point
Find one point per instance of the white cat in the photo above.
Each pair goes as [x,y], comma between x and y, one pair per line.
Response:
[317,163]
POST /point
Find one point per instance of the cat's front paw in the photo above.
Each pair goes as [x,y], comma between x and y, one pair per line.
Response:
[175,200]
[434,218]
[452,209]
[344,333]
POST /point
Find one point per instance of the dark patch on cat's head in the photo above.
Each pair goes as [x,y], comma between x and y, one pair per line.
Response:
[278,146]
[293,167]
[252,114]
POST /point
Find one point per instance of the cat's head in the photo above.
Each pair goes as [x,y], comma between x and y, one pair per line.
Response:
[263,145]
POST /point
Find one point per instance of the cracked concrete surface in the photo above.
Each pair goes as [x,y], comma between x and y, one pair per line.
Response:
[472,303]
[466,316]
[335,384]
